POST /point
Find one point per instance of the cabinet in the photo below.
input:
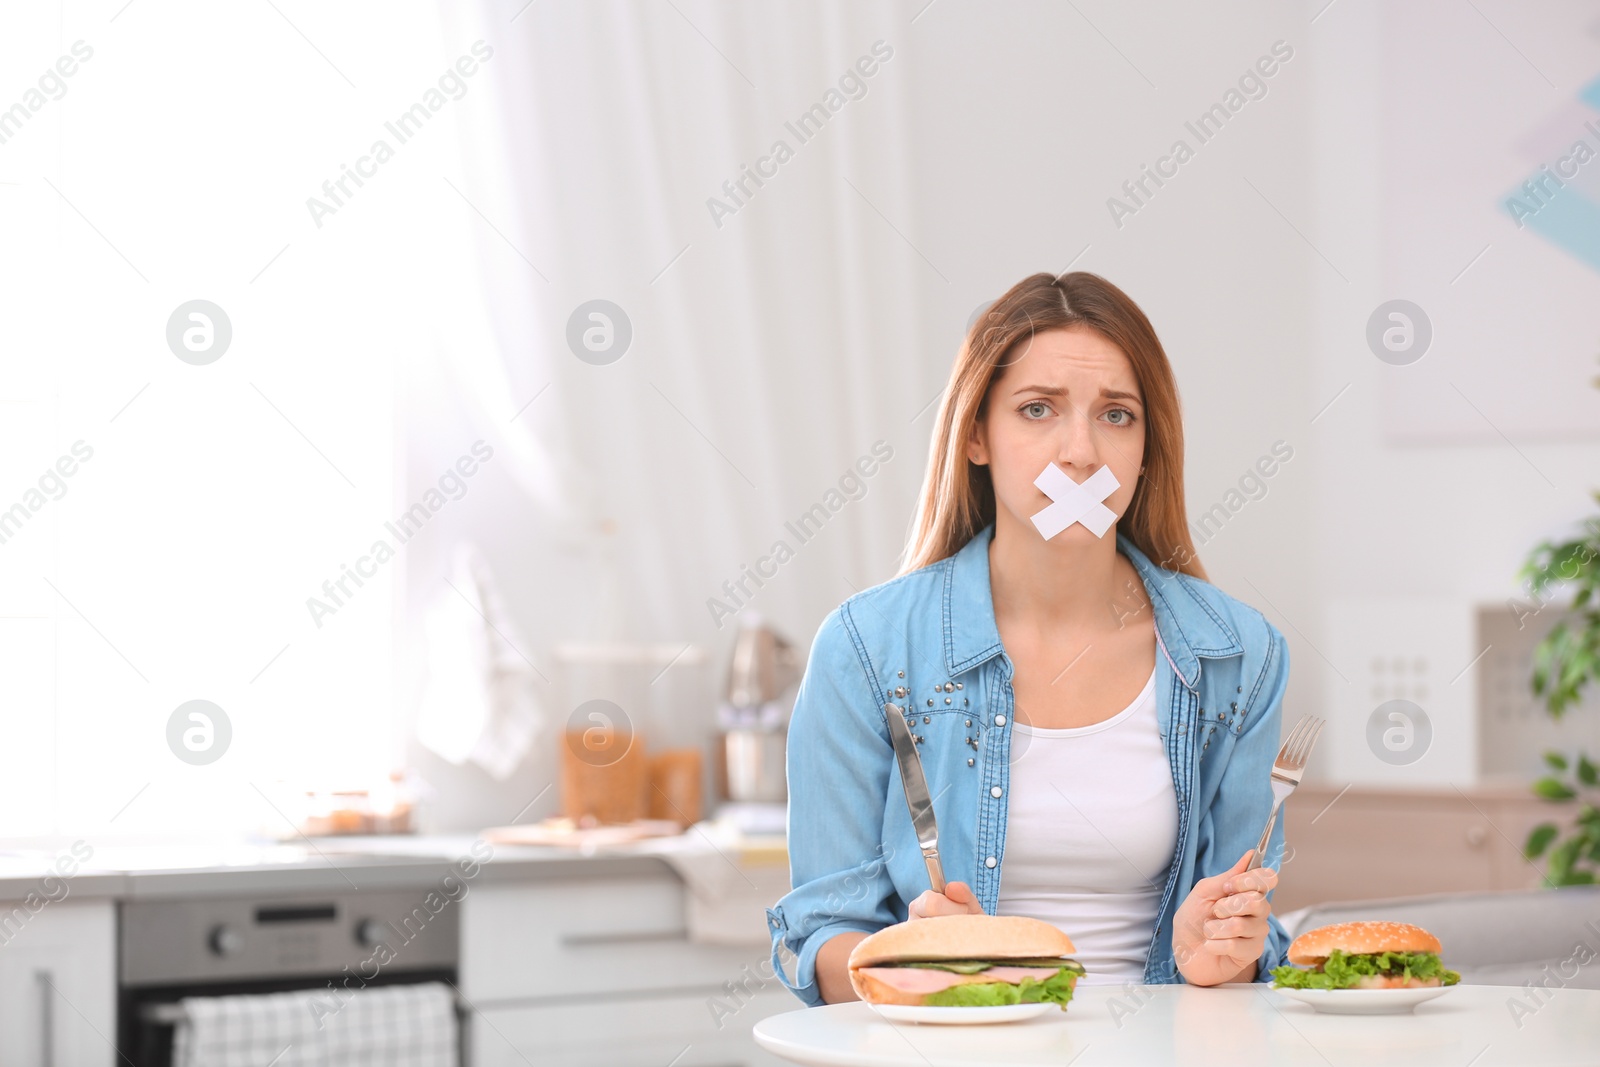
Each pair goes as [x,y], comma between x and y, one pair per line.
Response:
[1366,843]
[58,997]
[600,972]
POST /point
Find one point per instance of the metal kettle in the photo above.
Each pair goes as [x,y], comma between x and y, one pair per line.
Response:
[750,748]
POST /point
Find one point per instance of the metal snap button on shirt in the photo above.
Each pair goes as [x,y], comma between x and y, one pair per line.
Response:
[989,862]
[999,720]
[995,791]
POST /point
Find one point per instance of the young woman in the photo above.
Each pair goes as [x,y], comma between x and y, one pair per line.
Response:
[1097,722]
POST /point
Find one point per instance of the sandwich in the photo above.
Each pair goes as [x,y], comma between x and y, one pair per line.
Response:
[965,961]
[1364,955]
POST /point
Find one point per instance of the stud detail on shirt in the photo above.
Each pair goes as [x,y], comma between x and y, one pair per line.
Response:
[989,862]
[996,791]
[999,720]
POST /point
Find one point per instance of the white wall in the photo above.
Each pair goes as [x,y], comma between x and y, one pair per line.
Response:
[1434,480]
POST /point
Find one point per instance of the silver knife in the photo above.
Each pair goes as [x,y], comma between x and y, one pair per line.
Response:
[917,799]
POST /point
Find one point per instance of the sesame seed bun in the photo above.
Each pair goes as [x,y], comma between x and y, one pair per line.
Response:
[961,937]
[1360,938]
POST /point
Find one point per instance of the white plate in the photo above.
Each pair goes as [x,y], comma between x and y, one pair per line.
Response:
[1365,1001]
[1003,1013]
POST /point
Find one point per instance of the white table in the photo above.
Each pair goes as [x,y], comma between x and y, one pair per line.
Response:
[1229,1026]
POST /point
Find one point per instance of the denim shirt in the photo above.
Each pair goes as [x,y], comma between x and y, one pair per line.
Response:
[854,861]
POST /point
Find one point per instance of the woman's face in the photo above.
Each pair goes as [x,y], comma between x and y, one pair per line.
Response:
[1067,397]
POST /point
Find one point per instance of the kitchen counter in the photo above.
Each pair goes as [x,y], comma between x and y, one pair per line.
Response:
[681,916]
[131,872]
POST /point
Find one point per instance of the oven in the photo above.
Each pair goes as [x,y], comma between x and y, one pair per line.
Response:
[219,946]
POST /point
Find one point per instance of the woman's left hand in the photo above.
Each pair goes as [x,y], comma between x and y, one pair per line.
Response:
[1220,930]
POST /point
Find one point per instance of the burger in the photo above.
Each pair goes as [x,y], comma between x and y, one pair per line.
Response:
[965,961]
[1364,955]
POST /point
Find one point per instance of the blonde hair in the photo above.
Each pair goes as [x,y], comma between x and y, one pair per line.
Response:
[957,498]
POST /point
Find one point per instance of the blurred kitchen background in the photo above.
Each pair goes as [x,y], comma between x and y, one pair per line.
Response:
[426,390]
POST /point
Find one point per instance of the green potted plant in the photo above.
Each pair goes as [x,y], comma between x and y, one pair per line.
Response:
[1565,661]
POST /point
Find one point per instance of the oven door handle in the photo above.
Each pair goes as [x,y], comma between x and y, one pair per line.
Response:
[167,1013]
[162,1014]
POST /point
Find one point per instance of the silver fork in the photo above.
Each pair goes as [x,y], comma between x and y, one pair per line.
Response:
[1286,772]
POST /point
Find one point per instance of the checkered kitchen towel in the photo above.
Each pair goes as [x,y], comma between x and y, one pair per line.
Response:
[387,1026]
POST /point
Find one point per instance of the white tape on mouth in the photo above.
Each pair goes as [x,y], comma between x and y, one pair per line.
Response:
[1073,502]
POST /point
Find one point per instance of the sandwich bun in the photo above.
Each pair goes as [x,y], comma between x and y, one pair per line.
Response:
[989,938]
[1362,939]
[961,937]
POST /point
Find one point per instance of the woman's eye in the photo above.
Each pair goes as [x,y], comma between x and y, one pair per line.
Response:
[1036,410]
[1127,416]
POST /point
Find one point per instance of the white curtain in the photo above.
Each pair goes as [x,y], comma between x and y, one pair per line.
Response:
[768,356]
[769,352]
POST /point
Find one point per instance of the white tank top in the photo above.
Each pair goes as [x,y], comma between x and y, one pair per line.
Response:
[1091,830]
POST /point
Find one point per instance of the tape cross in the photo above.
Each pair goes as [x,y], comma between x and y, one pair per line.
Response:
[1072,502]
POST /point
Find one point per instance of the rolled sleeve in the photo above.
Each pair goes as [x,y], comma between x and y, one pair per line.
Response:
[838,762]
[804,982]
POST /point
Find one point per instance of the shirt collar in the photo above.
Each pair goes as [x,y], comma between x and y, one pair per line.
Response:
[1187,626]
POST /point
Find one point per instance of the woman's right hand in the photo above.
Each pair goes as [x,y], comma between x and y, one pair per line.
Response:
[957,899]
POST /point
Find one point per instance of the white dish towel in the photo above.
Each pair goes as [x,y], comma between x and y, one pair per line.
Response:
[395,1026]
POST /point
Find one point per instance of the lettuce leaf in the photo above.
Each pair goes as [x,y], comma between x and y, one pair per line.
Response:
[1057,989]
[1341,971]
